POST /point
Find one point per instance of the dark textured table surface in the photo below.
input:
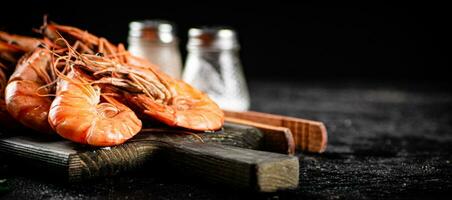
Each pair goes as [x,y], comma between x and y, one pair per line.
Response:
[387,140]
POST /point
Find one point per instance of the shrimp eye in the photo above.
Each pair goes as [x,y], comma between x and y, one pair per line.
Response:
[99,54]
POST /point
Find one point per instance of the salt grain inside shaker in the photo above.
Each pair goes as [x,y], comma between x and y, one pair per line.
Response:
[213,66]
[155,41]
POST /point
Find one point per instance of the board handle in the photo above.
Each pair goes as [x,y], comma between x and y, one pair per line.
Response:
[308,135]
[276,138]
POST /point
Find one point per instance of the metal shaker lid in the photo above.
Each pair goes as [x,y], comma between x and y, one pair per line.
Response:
[212,38]
[153,30]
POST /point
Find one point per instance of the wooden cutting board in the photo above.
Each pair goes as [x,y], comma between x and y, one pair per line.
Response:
[231,151]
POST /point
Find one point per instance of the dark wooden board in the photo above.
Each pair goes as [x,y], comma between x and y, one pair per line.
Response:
[78,162]
[229,148]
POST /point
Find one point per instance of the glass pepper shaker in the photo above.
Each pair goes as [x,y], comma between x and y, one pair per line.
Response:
[213,66]
[155,40]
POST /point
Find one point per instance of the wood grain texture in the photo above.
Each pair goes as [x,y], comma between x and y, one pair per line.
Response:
[310,136]
[109,161]
[276,138]
[237,167]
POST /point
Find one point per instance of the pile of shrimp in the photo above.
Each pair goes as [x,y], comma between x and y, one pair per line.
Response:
[87,90]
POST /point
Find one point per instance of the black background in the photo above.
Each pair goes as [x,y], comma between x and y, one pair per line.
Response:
[280,40]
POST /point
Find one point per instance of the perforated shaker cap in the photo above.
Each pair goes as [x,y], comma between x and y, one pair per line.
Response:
[153,30]
[212,38]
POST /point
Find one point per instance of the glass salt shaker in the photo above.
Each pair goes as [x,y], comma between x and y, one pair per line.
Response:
[213,66]
[155,40]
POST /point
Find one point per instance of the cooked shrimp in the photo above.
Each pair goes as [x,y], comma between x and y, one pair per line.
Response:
[155,94]
[10,53]
[6,120]
[26,98]
[188,108]
[78,114]
[5,117]
[25,43]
